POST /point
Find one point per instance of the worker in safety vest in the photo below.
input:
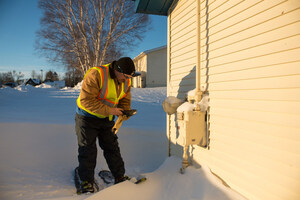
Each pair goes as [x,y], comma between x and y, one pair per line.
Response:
[105,92]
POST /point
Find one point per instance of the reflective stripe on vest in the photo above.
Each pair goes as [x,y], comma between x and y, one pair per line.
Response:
[108,93]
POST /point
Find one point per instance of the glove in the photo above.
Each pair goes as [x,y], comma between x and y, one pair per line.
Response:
[128,113]
[125,117]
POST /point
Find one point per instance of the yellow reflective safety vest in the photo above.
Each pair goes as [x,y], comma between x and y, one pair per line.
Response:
[108,93]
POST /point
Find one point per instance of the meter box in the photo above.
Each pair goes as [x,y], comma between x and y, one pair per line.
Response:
[191,128]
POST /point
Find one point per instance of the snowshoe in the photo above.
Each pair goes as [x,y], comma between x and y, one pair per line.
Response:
[108,178]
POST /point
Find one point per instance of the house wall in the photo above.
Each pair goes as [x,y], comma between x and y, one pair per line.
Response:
[140,63]
[250,66]
[153,65]
[157,68]
[181,60]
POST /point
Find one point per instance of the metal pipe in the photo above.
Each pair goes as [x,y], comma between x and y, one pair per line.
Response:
[198,57]
[185,162]
[169,79]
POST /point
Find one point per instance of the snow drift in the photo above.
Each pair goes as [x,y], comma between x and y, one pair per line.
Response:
[38,150]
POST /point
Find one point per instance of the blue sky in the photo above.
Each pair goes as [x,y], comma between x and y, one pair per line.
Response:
[19,21]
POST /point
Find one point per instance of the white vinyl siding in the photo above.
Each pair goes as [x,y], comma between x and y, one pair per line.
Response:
[182,32]
[153,67]
[250,63]
[141,66]
[157,68]
[181,59]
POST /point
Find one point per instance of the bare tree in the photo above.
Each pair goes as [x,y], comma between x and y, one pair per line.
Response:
[87,33]
[33,74]
[6,77]
[11,76]
[18,76]
[51,76]
[72,77]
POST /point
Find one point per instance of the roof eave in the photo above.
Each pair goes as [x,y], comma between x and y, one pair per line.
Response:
[155,7]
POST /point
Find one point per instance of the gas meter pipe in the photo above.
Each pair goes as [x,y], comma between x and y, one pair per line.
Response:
[198,57]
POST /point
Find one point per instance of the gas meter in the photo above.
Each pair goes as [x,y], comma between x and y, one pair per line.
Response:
[191,128]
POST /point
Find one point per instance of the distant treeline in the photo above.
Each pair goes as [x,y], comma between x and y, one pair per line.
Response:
[71,78]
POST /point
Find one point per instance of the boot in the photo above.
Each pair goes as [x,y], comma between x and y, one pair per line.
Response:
[121,179]
[85,186]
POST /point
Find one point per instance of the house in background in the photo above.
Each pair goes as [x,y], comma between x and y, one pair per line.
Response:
[33,82]
[153,66]
[9,84]
[245,55]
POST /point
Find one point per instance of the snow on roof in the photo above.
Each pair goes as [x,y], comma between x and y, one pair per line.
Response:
[149,51]
[36,81]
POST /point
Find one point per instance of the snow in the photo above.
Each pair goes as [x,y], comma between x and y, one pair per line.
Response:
[38,150]
[186,106]
[204,103]
[55,84]
[189,106]
[170,104]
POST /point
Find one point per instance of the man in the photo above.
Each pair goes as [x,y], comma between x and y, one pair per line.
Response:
[105,93]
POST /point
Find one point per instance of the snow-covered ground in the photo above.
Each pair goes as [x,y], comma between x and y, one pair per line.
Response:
[38,150]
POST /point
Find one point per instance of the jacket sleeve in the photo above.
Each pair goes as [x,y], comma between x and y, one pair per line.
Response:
[125,102]
[90,90]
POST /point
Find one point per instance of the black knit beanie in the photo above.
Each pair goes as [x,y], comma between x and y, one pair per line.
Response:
[125,65]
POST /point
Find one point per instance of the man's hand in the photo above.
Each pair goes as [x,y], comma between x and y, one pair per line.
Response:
[116,111]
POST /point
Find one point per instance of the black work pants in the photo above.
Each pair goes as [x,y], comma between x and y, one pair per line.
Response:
[88,130]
